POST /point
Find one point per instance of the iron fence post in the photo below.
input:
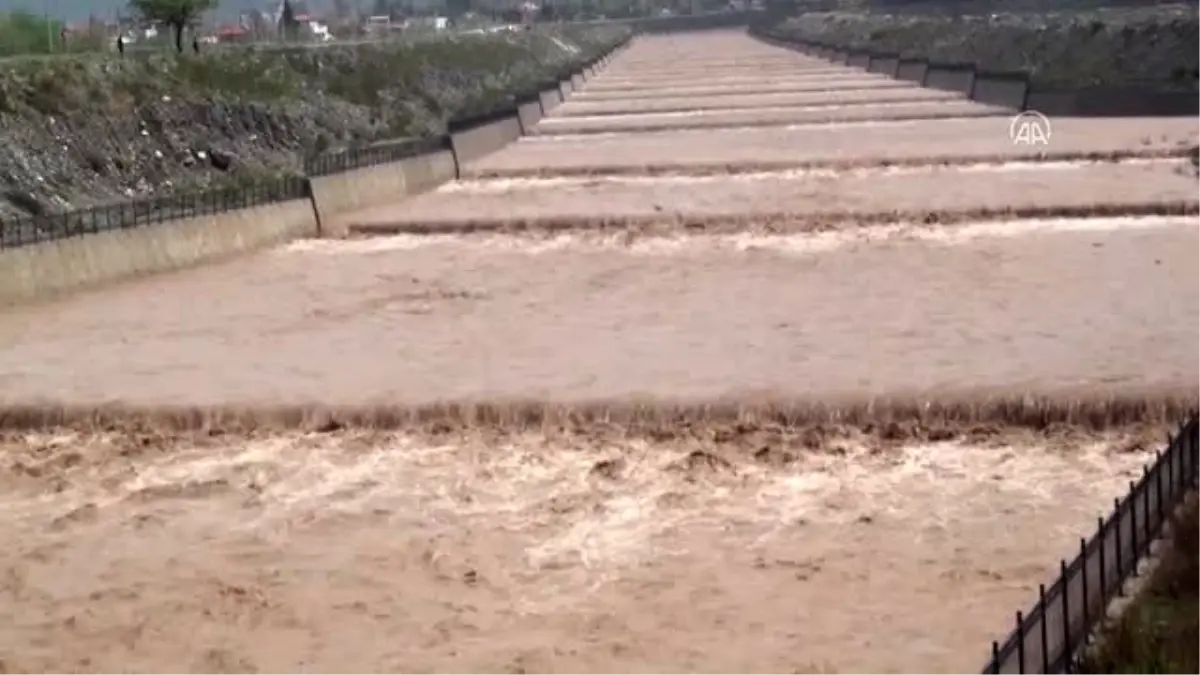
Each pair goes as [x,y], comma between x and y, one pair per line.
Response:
[1083,585]
[1045,647]
[1133,533]
[1117,536]
[1145,488]
[995,657]
[1102,536]
[1171,470]
[1185,464]
[1190,454]
[1158,463]
[1066,606]
[1020,642]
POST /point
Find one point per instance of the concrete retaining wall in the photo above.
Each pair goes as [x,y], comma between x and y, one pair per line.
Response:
[576,82]
[951,78]
[1006,91]
[565,89]
[550,99]
[840,57]
[858,60]
[884,65]
[471,144]
[1113,101]
[342,193]
[911,70]
[53,268]
[529,114]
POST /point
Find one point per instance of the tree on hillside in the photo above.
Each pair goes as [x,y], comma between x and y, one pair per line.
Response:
[176,14]
[288,25]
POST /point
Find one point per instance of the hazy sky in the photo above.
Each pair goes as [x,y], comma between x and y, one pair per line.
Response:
[76,10]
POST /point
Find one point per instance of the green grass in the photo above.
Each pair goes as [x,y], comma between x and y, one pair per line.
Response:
[1158,631]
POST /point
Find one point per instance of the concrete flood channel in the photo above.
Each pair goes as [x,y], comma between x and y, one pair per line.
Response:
[710,219]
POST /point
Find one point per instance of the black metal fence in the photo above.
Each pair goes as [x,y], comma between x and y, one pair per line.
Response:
[29,230]
[1050,637]
[369,155]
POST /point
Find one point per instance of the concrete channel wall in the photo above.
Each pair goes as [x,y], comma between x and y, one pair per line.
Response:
[1006,91]
[53,268]
[950,77]
[884,65]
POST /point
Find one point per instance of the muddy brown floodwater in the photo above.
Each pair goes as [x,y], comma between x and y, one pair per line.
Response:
[846,423]
[765,116]
[799,200]
[525,553]
[868,143]
[575,317]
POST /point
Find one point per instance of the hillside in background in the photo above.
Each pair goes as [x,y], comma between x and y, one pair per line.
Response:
[79,10]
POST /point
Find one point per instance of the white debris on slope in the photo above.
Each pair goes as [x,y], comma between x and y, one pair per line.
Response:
[565,46]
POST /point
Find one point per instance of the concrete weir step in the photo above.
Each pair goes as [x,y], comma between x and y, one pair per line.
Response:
[764,117]
[800,200]
[732,150]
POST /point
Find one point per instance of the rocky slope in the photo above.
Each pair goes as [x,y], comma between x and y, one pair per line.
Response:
[1148,46]
[78,131]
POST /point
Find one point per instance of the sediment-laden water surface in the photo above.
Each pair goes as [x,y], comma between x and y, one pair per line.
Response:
[831,385]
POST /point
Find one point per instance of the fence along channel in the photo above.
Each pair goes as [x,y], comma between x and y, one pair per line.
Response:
[1048,638]
[27,231]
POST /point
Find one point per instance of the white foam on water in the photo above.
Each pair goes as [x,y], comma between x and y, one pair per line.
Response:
[783,244]
[765,110]
[807,126]
[504,185]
